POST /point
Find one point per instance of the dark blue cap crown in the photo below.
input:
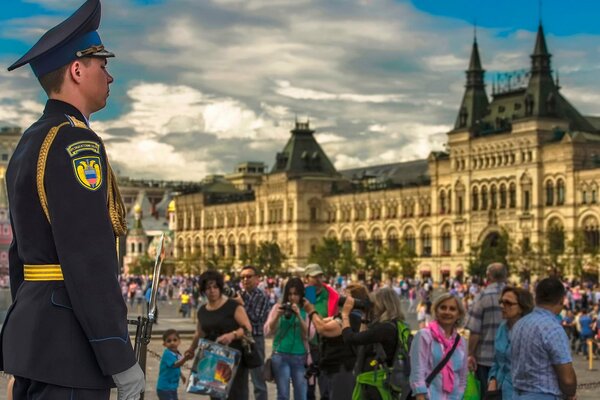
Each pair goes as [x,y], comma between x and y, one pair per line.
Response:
[73,38]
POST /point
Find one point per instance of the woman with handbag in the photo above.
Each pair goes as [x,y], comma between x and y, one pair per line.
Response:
[288,323]
[515,303]
[222,320]
[438,355]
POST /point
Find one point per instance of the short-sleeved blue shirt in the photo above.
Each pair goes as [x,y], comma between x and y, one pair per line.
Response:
[538,342]
[168,375]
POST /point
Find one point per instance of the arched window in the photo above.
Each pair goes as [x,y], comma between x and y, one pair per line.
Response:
[503,196]
[549,193]
[442,202]
[426,242]
[446,240]
[409,239]
[494,196]
[592,235]
[560,192]
[484,198]
[475,199]
[361,244]
[512,195]
[392,239]
[140,248]
[132,248]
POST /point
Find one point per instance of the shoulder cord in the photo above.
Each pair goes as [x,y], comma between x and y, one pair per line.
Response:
[116,207]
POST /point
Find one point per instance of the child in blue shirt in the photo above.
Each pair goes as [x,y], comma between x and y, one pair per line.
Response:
[170,367]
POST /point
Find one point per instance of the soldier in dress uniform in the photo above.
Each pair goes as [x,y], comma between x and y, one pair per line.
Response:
[65,335]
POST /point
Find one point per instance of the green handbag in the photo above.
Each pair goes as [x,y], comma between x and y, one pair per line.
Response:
[472,390]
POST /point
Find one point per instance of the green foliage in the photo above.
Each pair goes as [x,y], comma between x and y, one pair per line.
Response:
[495,248]
[143,265]
[334,257]
[190,264]
[270,258]
[555,239]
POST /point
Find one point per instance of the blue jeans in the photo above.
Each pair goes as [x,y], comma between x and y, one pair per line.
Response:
[256,374]
[286,367]
[520,395]
[166,394]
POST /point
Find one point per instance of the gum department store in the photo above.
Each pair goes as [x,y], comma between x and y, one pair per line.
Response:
[524,161]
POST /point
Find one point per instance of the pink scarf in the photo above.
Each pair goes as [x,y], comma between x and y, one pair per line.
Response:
[447,373]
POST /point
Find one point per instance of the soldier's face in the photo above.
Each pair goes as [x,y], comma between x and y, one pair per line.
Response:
[96,82]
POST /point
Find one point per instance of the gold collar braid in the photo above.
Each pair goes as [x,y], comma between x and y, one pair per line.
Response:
[116,206]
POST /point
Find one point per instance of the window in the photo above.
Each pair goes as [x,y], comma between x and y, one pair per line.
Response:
[549,193]
[494,196]
[409,239]
[484,198]
[502,196]
[459,204]
[475,199]
[560,192]
[584,197]
[512,196]
[426,241]
[313,214]
[140,248]
[446,241]
[442,202]
[526,200]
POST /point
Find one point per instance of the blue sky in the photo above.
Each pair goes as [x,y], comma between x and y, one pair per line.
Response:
[204,84]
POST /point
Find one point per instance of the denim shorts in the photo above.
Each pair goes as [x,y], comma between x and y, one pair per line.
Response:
[166,394]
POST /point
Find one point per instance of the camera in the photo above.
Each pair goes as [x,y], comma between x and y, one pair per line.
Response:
[287,310]
[358,303]
[312,371]
[230,291]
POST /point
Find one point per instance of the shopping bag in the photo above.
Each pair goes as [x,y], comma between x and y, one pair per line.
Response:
[213,370]
[472,390]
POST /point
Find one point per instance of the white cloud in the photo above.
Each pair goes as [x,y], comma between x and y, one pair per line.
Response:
[211,83]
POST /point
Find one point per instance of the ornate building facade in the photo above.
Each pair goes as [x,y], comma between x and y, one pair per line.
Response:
[523,161]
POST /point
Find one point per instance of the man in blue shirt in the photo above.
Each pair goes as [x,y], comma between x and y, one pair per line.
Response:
[541,355]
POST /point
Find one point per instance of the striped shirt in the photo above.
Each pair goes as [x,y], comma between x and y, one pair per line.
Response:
[257,307]
[484,319]
[538,342]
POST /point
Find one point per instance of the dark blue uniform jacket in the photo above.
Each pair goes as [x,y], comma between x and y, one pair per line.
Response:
[70,332]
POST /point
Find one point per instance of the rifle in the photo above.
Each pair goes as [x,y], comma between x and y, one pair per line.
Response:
[143,330]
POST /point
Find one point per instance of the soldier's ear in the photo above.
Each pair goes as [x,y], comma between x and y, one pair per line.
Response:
[76,71]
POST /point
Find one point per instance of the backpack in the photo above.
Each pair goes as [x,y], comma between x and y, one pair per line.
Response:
[399,372]
[391,382]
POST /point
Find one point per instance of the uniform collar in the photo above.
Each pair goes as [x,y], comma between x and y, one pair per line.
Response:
[60,107]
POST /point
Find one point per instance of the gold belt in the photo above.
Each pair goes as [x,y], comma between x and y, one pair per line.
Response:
[43,272]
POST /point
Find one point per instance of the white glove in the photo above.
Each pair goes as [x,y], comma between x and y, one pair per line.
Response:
[130,383]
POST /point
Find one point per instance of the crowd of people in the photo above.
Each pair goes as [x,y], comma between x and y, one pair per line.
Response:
[344,339]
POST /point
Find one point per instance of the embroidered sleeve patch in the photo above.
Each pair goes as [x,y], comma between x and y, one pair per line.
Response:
[88,172]
[85,145]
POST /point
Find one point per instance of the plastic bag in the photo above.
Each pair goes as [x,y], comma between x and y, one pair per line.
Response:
[472,390]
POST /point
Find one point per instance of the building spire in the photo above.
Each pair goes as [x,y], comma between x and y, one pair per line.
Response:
[475,102]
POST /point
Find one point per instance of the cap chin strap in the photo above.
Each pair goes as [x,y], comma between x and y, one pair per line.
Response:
[90,51]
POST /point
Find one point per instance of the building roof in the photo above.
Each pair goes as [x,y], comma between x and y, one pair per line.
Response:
[302,155]
[408,173]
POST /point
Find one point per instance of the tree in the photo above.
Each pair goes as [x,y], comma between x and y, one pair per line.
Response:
[555,238]
[575,250]
[495,248]
[270,258]
[142,265]
[407,259]
[371,262]
[190,264]
[334,257]
[327,254]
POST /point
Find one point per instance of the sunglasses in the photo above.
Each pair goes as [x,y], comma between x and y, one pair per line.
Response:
[507,303]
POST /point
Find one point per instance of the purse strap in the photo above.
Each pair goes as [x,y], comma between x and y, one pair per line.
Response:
[442,363]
